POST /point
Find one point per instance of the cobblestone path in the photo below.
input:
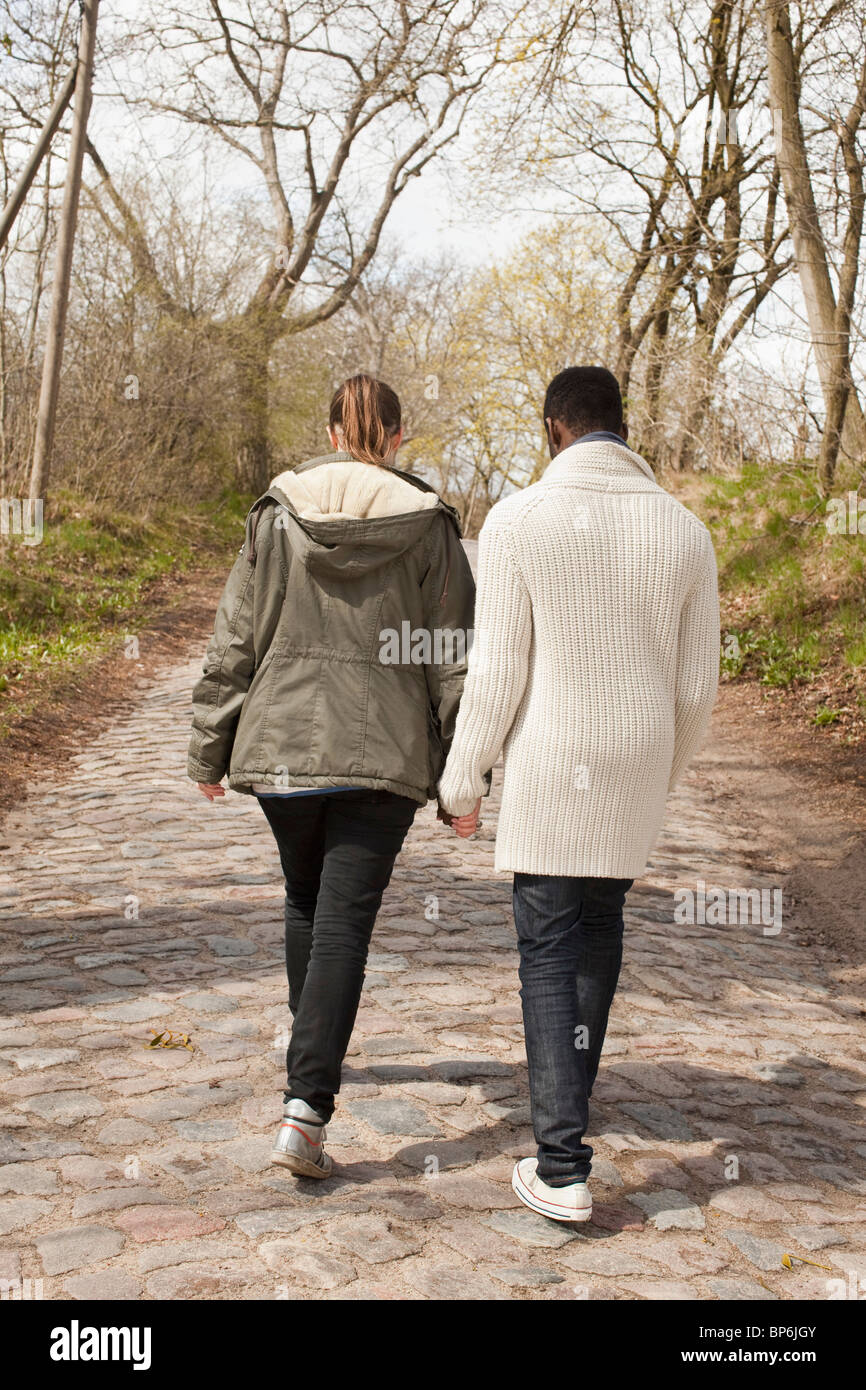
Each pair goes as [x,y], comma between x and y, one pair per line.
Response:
[726,1120]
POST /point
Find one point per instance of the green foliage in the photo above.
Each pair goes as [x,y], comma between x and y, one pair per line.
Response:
[825,716]
[770,656]
[793,595]
[89,579]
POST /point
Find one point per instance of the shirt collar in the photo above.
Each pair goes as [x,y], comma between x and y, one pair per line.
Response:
[608,436]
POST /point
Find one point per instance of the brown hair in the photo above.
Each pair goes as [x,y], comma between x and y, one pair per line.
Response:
[367,414]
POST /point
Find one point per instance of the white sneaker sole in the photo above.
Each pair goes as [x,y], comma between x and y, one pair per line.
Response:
[301,1167]
[550,1209]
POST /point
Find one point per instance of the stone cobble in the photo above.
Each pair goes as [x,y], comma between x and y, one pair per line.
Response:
[727,1120]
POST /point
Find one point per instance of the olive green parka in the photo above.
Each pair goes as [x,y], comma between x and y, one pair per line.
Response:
[339,648]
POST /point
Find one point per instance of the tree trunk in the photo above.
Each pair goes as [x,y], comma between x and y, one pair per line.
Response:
[56,331]
[831,436]
[253,455]
[654,448]
[809,249]
[702,370]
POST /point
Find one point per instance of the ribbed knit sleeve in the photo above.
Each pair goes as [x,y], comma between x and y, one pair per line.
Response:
[697,663]
[498,666]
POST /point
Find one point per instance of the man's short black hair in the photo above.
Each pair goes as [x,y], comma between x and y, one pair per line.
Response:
[585,399]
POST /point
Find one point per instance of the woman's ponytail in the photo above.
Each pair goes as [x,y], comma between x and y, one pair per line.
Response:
[366,413]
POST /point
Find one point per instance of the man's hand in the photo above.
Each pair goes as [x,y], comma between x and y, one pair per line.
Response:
[211,790]
[442,814]
[467,825]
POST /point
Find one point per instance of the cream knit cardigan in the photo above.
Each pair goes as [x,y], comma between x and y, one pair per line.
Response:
[594,665]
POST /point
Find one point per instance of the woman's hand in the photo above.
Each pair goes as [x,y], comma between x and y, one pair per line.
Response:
[467,825]
[211,790]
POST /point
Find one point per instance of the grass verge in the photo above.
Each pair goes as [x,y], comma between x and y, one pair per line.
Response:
[792,588]
[94,579]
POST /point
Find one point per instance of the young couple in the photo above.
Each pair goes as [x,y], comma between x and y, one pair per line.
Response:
[593,670]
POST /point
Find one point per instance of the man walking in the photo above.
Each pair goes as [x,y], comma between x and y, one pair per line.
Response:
[594,669]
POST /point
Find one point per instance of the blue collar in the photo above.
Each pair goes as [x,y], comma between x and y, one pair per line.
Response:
[607,435]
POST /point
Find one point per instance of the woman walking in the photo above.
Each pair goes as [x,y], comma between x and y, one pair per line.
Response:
[313,701]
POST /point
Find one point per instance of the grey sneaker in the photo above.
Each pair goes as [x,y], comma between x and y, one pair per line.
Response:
[298,1145]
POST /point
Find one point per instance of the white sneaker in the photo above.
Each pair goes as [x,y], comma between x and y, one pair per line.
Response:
[298,1145]
[572,1203]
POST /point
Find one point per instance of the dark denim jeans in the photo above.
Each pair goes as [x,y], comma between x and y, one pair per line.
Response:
[569,931]
[337,852]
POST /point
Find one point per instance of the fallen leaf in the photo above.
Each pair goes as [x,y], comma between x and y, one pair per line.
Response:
[787,1262]
[168,1038]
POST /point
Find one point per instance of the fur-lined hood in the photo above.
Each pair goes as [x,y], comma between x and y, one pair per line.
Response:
[341,488]
[345,516]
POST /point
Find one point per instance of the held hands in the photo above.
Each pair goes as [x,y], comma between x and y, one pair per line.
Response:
[463,825]
[211,790]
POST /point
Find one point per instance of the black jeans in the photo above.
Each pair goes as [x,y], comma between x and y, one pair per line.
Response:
[569,931]
[337,852]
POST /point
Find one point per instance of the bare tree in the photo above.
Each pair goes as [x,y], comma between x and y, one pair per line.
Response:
[829,310]
[637,116]
[39,41]
[336,107]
